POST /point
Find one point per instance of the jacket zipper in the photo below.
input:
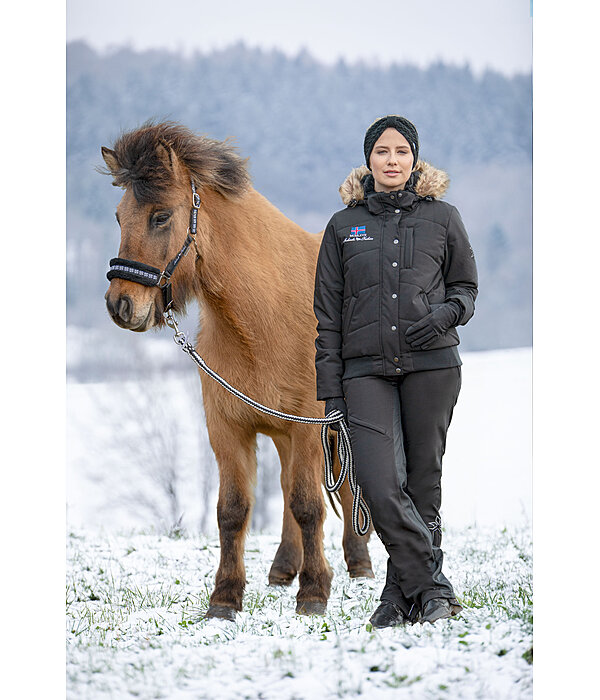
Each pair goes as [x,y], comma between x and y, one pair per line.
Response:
[408,248]
[381,257]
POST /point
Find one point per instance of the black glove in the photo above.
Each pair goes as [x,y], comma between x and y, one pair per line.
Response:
[425,332]
[336,403]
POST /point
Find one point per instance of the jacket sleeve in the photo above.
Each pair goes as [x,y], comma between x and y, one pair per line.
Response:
[328,298]
[460,271]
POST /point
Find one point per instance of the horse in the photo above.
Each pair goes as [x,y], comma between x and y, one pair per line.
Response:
[252,273]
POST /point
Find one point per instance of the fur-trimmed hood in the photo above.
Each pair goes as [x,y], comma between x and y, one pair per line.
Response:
[431,182]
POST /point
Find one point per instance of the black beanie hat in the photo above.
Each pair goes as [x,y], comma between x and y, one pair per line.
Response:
[406,128]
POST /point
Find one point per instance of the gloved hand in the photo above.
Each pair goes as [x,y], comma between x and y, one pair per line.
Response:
[336,403]
[426,331]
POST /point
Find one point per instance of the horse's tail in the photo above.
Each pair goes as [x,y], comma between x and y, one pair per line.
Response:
[330,496]
[332,501]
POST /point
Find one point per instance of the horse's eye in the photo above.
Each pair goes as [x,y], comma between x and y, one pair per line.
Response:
[161,218]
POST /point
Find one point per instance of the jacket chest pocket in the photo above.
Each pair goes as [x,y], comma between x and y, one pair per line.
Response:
[409,244]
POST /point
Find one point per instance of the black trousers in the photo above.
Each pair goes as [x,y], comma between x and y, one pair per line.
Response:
[398,429]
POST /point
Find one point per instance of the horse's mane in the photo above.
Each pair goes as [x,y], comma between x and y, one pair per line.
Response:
[215,164]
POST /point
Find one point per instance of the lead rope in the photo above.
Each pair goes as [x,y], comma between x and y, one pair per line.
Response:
[344,447]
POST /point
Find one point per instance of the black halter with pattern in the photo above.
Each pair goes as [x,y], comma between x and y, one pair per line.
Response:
[149,276]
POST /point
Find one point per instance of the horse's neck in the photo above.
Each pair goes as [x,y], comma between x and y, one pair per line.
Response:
[241,278]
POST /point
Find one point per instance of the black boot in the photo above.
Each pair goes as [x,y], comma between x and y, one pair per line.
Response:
[388,614]
[438,608]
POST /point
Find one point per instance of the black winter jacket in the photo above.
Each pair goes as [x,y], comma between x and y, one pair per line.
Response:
[385,262]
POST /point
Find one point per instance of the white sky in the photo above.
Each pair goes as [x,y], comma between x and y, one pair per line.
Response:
[494,33]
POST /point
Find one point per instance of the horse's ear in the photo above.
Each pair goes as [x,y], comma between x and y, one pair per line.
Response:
[110,158]
[165,155]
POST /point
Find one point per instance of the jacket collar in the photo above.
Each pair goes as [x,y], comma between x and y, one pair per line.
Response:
[425,182]
[378,202]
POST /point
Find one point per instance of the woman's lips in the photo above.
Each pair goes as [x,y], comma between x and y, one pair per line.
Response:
[391,173]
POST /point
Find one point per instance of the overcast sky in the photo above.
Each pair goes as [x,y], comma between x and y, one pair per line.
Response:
[484,33]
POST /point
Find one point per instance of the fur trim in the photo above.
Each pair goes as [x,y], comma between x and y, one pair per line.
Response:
[432,182]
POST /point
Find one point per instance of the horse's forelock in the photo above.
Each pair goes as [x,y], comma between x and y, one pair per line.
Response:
[211,163]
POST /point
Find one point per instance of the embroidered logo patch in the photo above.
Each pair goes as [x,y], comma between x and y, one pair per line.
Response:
[435,524]
[358,233]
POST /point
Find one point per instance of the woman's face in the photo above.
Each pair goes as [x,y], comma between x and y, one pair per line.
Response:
[391,161]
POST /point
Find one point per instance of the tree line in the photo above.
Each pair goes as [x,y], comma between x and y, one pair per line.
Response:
[302,124]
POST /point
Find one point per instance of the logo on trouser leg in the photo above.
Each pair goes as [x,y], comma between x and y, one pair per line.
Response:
[435,525]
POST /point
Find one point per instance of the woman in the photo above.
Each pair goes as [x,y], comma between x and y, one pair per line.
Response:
[395,275]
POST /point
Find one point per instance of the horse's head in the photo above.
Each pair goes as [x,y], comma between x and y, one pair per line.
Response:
[156,165]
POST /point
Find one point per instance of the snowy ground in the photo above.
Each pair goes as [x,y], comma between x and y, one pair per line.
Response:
[135,627]
[135,602]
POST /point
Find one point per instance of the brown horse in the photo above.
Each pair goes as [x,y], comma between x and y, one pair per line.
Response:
[252,271]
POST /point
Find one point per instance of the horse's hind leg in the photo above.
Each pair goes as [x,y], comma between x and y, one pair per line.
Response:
[356,552]
[308,508]
[289,556]
[236,457]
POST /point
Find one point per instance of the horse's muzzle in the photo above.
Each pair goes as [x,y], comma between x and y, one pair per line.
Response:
[122,311]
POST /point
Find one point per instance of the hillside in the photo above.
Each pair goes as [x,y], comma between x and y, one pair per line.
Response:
[301,124]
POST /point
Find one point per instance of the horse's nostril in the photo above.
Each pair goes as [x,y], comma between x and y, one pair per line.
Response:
[109,305]
[125,308]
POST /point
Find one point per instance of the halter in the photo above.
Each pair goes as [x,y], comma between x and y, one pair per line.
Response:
[151,276]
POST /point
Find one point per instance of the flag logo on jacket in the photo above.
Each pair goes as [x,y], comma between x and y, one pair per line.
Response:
[358,233]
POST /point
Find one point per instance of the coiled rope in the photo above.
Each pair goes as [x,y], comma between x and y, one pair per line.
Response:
[344,447]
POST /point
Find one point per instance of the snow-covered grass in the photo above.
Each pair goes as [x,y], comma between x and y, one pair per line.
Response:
[135,602]
[135,625]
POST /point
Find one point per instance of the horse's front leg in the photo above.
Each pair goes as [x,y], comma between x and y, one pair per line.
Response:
[308,507]
[236,457]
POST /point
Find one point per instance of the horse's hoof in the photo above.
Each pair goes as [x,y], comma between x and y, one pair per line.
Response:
[361,573]
[310,607]
[278,578]
[224,612]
